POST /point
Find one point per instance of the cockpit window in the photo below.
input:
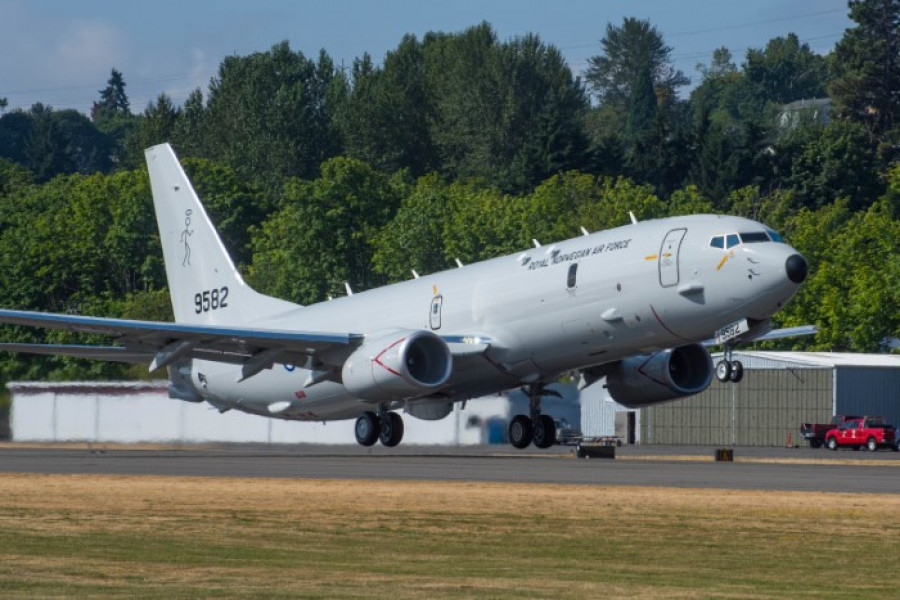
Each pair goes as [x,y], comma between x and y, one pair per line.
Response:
[732,240]
[717,242]
[776,237]
[754,237]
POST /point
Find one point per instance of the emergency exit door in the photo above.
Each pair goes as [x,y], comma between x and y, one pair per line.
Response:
[668,257]
[434,316]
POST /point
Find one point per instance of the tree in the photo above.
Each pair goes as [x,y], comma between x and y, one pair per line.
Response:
[853,305]
[385,121]
[866,63]
[113,98]
[627,51]
[839,164]
[414,237]
[511,113]
[157,125]
[112,116]
[323,233]
[642,112]
[268,115]
[785,70]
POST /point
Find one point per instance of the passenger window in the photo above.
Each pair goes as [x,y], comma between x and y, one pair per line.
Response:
[732,240]
[573,273]
[717,242]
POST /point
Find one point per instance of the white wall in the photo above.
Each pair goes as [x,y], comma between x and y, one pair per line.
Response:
[131,412]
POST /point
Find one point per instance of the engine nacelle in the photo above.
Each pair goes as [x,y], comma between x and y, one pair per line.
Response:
[429,409]
[398,364]
[668,375]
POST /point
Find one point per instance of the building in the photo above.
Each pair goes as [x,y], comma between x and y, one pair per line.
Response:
[780,390]
[141,411]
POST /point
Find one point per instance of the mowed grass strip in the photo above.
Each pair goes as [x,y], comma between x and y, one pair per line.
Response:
[152,537]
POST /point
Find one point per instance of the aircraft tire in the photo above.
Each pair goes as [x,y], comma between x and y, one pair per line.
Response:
[723,370]
[520,431]
[367,428]
[544,431]
[391,430]
[737,371]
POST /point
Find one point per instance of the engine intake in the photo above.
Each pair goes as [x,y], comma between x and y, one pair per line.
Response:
[668,375]
[399,364]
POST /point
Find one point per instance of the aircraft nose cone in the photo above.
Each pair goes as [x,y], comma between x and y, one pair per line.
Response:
[796,268]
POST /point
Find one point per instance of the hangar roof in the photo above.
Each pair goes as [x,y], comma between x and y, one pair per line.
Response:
[760,359]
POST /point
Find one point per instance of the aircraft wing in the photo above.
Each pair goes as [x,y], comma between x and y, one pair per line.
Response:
[163,343]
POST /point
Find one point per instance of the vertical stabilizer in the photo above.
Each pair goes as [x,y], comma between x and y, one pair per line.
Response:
[204,285]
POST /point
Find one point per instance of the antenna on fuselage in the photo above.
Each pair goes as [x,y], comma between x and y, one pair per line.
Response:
[458,263]
[415,275]
[348,288]
[536,243]
[585,231]
[633,218]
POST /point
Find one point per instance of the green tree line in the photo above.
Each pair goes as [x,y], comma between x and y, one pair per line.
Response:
[464,146]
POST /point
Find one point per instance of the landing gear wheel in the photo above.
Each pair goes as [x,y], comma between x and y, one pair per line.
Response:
[723,370]
[544,431]
[737,371]
[520,431]
[391,429]
[366,429]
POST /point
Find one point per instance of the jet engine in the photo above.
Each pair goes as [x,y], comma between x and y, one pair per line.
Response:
[648,379]
[398,364]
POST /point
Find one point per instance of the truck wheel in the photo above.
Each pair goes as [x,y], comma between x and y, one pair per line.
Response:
[815,443]
[832,443]
[871,444]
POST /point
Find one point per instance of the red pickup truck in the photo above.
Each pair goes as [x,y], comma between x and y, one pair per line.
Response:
[871,432]
[814,433]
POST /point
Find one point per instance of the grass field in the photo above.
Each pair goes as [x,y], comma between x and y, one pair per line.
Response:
[162,537]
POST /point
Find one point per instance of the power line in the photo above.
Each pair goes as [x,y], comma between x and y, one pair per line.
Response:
[727,27]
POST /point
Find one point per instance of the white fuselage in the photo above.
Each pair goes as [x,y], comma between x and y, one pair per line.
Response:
[637,288]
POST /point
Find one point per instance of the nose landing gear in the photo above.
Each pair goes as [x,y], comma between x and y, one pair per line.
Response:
[728,369]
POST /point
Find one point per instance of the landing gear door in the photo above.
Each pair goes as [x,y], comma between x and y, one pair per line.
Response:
[668,257]
[435,314]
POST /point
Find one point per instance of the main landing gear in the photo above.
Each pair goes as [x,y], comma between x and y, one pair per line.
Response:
[385,426]
[537,428]
[729,370]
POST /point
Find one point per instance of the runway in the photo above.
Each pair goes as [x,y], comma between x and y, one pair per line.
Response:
[755,469]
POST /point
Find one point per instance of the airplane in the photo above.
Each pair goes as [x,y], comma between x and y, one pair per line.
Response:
[633,306]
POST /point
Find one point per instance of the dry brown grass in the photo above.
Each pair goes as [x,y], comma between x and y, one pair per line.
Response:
[113,536]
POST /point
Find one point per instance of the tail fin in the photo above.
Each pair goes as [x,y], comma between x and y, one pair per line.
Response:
[204,285]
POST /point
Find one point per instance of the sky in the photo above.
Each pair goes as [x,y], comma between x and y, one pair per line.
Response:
[61,52]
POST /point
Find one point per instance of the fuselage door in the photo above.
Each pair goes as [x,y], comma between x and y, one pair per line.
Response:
[668,257]
[435,314]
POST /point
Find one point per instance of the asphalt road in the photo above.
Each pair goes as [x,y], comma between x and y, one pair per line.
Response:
[762,469]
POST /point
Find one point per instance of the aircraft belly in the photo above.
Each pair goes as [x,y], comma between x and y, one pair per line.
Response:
[278,393]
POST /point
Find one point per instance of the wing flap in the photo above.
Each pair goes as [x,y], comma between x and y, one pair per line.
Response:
[107,353]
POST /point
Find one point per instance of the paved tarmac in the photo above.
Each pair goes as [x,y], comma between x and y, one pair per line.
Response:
[798,469]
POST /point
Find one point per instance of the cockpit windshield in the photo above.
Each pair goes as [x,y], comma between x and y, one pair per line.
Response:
[754,237]
[730,240]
